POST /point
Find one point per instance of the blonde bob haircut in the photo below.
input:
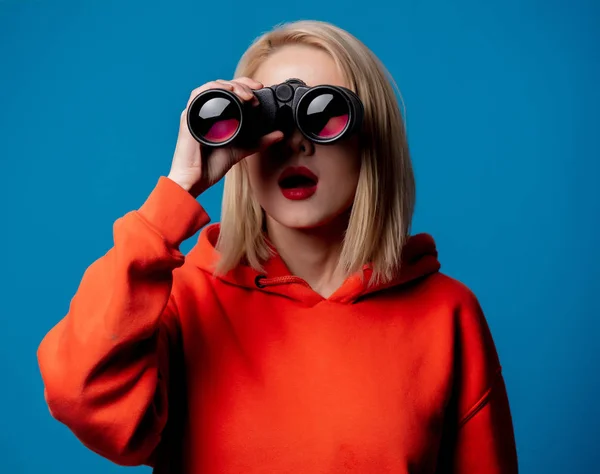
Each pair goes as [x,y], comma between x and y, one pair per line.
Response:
[381,214]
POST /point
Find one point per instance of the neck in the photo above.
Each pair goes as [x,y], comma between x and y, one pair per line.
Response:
[311,254]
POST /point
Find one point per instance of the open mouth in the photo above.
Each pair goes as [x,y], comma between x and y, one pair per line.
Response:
[297,177]
[298,183]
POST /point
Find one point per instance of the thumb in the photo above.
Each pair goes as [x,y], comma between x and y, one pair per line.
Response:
[186,143]
[269,139]
[264,142]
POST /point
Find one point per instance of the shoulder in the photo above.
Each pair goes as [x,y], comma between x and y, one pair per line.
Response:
[447,291]
[456,302]
[470,324]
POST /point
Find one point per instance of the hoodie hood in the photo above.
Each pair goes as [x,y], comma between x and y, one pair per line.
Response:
[419,259]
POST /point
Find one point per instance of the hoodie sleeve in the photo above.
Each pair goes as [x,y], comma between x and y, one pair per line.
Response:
[105,364]
[479,436]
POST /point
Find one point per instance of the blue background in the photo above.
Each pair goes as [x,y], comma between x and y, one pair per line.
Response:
[502,108]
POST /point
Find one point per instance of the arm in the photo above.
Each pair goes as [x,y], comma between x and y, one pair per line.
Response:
[105,364]
[479,436]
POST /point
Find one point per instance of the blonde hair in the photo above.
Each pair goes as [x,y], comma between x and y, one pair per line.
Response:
[382,211]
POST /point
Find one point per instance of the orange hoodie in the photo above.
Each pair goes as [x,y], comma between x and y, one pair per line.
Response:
[158,362]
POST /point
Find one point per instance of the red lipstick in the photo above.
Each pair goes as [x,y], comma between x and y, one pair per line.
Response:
[298,183]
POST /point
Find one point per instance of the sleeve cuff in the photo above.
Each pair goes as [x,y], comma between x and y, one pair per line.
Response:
[173,212]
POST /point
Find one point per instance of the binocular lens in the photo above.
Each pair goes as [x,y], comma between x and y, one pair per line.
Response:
[323,114]
[215,118]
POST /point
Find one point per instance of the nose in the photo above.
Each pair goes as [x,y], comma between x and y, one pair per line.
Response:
[298,144]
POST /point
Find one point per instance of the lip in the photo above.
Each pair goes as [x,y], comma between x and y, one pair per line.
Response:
[297,171]
[298,194]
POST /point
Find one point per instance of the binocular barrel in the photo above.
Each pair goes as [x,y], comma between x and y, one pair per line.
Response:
[324,114]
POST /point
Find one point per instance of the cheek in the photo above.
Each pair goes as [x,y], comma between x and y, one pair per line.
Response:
[354,154]
[260,171]
[251,168]
[345,163]
[348,173]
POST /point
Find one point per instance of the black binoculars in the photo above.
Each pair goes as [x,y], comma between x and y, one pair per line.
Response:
[323,114]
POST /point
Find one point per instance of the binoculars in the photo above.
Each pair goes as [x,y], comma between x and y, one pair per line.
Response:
[323,114]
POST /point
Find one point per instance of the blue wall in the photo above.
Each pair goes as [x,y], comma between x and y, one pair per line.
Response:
[502,101]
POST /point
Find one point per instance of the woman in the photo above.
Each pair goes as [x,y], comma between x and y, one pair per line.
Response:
[309,335]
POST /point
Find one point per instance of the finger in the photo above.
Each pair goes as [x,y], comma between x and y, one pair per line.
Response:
[184,134]
[241,90]
[264,143]
[251,83]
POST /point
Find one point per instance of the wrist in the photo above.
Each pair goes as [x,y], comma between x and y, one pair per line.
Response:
[184,183]
[181,182]
[195,189]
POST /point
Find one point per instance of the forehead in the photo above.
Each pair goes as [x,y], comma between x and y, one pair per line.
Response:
[310,64]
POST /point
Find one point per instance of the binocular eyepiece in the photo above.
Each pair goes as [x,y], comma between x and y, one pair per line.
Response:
[323,114]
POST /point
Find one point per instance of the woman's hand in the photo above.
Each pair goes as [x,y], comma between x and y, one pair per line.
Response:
[195,172]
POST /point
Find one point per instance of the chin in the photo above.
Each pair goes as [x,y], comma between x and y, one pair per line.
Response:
[307,218]
[302,224]
[295,220]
